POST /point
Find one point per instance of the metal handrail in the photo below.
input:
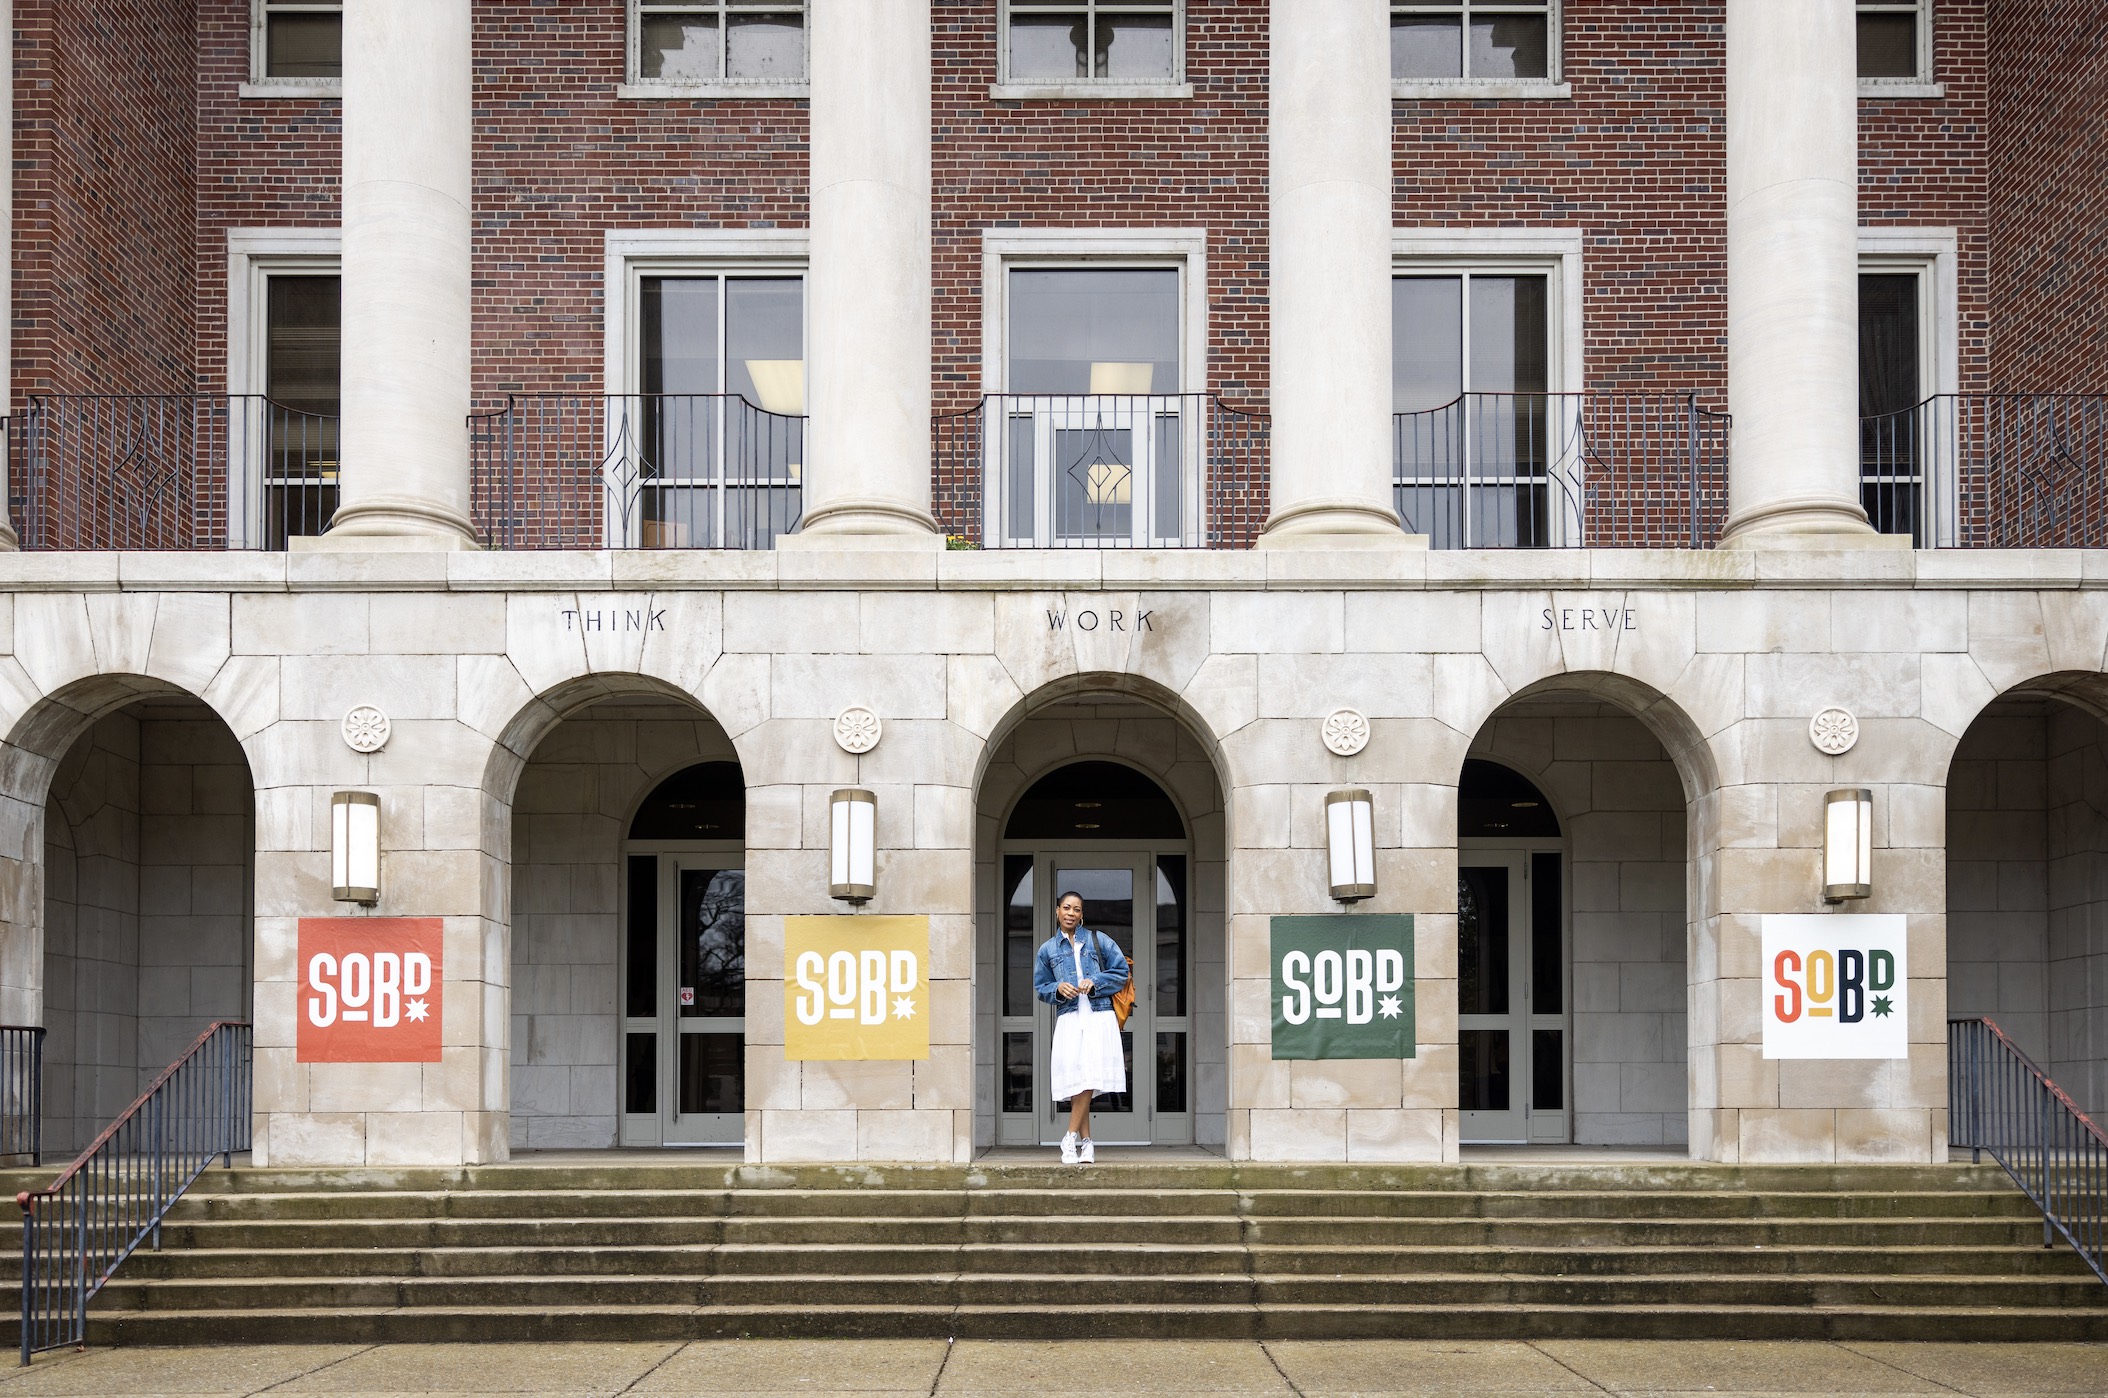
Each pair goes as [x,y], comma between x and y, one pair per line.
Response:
[78,1231]
[22,1091]
[1562,470]
[2000,1101]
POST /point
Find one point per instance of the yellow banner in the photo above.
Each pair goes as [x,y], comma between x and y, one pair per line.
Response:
[856,987]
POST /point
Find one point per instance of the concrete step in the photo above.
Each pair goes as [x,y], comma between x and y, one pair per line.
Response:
[691,1246]
[1238,1321]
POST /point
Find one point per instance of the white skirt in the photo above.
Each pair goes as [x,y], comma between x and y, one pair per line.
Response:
[1087,1054]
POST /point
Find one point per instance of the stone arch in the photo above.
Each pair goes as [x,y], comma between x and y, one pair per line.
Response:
[1139,724]
[2026,868]
[1631,781]
[563,781]
[129,882]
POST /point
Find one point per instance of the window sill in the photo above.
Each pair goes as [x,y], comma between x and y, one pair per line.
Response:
[1090,92]
[1879,90]
[712,92]
[1490,90]
[292,87]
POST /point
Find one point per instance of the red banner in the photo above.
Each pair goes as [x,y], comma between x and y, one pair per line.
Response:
[370,989]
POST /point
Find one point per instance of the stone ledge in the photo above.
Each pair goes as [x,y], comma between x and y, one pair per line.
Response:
[1033,570]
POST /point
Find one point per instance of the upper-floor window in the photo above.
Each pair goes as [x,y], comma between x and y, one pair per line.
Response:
[1475,43]
[1113,43]
[1895,46]
[752,46]
[296,46]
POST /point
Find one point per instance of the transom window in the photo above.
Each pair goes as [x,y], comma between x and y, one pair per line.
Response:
[1098,41]
[708,42]
[1895,41]
[1488,40]
[297,40]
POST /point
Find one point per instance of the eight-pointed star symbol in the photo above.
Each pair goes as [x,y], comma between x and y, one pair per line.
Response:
[415,1011]
[903,1007]
[1389,1007]
[1882,1007]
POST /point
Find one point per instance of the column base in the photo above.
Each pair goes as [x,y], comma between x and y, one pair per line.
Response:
[392,527]
[10,541]
[1823,522]
[866,525]
[1337,525]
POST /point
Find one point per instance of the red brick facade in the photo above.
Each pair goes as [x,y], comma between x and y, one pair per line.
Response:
[129,176]
[105,198]
[2048,197]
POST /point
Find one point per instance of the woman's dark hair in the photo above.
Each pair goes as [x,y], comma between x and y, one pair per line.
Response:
[1065,895]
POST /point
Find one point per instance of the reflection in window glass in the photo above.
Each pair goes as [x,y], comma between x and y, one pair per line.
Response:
[641,997]
[1482,941]
[1427,367]
[1482,1070]
[1171,935]
[1170,1073]
[1019,943]
[1485,39]
[1133,41]
[713,932]
[1017,1072]
[713,1073]
[640,1073]
[1094,330]
[707,41]
[302,359]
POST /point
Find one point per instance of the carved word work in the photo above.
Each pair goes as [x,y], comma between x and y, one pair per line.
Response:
[1113,620]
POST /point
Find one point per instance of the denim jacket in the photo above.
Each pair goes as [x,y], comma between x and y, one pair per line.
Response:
[1103,966]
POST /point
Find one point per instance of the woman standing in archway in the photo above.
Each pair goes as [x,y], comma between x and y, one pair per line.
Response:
[1077,972]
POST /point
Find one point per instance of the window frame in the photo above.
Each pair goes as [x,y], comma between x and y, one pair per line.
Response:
[632,255]
[1004,250]
[254,256]
[1554,253]
[1925,82]
[636,87]
[1933,255]
[1553,86]
[261,84]
[1008,89]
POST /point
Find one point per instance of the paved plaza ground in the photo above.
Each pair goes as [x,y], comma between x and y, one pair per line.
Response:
[891,1367]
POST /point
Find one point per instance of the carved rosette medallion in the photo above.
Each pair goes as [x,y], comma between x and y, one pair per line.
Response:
[366,729]
[857,730]
[1346,732]
[1833,731]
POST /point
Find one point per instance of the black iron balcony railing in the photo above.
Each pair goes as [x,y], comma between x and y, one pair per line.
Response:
[1990,471]
[635,471]
[22,1091]
[171,471]
[1106,471]
[1563,470]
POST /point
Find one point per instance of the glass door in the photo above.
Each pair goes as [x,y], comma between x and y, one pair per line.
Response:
[1137,900]
[1512,1055]
[684,1022]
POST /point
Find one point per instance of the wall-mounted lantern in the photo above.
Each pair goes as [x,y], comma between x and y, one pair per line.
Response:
[853,845]
[355,847]
[1350,843]
[1848,844]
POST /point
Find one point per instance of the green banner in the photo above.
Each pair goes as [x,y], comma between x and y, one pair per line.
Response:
[1343,986]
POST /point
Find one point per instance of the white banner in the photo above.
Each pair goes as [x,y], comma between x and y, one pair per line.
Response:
[1836,985]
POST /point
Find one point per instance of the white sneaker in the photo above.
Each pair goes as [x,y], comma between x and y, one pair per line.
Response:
[1086,1154]
[1068,1149]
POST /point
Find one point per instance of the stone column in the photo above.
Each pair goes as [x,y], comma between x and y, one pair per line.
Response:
[8,538]
[1793,268]
[407,81]
[867,478]
[1330,109]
